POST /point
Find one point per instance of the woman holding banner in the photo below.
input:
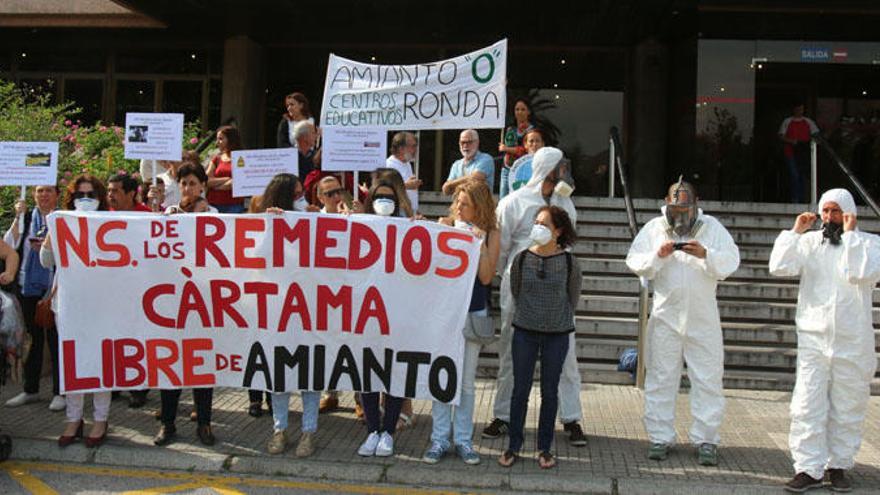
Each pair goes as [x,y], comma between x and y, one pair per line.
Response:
[512,141]
[193,182]
[473,209]
[383,199]
[285,193]
[220,172]
[84,193]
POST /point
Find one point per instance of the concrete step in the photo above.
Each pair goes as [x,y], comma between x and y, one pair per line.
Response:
[729,310]
[617,267]
[785,290]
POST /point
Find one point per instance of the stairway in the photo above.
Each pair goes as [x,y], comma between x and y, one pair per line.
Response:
[757,310]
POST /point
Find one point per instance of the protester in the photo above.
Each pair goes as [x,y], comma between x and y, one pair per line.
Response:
[297,110]
[84,193]
[394,178]
[220,172]
[512,143]
[192,181]
[306,136]
[551,184]
[521,171]
[9,263]
[35,281]
[382,200]
[330,194]
[122,196]
[285,193]
[545,281]
[405,149]
[473,208]
[122,192]
[473,163]
[838,265]
[686,253]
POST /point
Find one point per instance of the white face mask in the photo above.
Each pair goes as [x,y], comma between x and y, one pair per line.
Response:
[300,204]
[384,207]
[86,204]
[540,234]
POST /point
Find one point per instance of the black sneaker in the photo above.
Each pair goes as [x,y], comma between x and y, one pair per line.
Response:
[166,435]
[801,483]
[576,435]
[839,482]
[495,429]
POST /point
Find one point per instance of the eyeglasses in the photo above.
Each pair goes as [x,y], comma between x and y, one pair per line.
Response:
[333,192]
[84,194]
[471,141]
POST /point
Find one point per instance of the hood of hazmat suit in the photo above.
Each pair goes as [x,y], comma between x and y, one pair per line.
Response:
[836,357]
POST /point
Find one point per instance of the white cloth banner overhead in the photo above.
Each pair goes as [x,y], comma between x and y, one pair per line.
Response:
[468,91]
[274,302]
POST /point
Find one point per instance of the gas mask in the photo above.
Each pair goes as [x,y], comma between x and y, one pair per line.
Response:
[561,176]
[832,232]
[681,210]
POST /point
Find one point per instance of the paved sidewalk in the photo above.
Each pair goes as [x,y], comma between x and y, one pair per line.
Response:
[753,458]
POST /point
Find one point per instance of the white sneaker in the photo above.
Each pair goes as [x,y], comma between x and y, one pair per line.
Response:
[368,448]
[386,445]
[59,403]
[22,399]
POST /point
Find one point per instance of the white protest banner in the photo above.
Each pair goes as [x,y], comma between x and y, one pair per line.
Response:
[253,169]
[28,163]
[459,93]
[353,148]
[275,302]
[154,136]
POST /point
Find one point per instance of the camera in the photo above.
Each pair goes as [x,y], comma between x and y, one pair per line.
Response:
[679,245]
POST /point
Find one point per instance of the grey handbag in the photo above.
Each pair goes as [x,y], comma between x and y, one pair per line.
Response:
[479,328]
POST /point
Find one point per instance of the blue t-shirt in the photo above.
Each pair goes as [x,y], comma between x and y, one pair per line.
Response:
[482,162]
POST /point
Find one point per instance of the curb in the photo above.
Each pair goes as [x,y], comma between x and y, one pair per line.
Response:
[185,457]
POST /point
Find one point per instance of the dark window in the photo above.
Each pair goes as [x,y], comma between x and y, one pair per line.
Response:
[162,62]
[133,96]
[183,97]
[35,89]
[86,94]
[215,96]
[61,61]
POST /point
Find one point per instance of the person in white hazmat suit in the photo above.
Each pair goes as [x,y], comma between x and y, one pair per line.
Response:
[551,184]
[838,267]
[685,253]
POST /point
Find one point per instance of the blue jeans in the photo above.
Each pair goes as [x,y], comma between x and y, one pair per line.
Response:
[525,349]
[795,180]
[504,186]
[458,421]
[234,208]
[281,403]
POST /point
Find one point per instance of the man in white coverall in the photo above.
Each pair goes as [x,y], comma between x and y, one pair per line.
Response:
[551,184]
[838,266]
[685,253]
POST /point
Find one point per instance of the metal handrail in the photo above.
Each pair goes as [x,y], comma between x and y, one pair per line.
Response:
[818,139]
[644,285]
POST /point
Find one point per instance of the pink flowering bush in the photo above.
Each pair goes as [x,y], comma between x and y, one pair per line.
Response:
[98,149]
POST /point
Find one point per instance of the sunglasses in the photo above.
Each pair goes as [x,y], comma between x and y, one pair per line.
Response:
[333,192]
[86,194]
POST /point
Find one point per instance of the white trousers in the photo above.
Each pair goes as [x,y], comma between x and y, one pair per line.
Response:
[100,402]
